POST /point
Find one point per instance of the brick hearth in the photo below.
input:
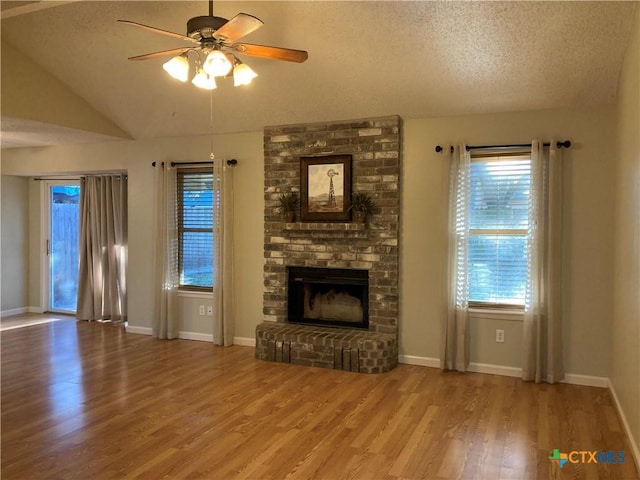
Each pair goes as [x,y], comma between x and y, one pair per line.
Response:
[339,348]
[374,145]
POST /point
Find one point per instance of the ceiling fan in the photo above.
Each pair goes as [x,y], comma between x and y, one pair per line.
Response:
[213,40]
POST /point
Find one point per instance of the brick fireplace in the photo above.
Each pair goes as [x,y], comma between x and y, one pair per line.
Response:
[331,247]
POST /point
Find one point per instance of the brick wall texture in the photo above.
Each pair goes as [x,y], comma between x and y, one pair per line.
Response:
[374,145]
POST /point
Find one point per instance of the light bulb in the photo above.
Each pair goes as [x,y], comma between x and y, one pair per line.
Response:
[217,64]
[204,80]
[178,68]
[243,74]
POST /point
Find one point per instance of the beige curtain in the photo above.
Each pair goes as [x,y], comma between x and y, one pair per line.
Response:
[102,287]
[166,276]
[223,301]
[454,351]
[542,337]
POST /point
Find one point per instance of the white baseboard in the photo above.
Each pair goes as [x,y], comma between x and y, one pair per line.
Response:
[139,330]
[207,337]
[244,341]
[421,361]
[625,424]
[199,337]
[20,311]
[571,378]
[473,367]
[586,380]
[495,369]
[13,311]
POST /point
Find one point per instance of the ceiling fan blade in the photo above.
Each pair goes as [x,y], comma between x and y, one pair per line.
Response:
[173,51]
[239,26]
[158,30]
[276,53]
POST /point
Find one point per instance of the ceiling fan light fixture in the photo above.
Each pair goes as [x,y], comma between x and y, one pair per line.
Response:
[216,40]
[217,64]
[204,80]
[178,68]
[243,74]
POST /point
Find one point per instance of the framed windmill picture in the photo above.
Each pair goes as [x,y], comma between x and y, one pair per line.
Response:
[325,188]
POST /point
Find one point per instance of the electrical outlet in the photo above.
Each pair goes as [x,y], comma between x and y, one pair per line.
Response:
[210,311]
[201,309]
[500,336]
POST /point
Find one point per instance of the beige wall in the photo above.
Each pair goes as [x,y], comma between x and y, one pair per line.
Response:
[625,361]
[50,101]
[136,158]
[588,203]
[14,243]
[589,185]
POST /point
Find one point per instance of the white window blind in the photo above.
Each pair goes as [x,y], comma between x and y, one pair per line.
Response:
[499,191]
[195,228]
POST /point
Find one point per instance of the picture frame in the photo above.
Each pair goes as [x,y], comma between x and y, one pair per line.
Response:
[325,188]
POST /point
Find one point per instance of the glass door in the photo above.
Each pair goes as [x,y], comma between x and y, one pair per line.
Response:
[63,245]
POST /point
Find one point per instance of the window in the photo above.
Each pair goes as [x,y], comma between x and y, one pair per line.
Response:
[195,229]
[498,223]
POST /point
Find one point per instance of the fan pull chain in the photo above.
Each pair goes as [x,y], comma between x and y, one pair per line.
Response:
[211,155]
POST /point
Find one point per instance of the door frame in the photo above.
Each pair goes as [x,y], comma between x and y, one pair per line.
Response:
[45,233]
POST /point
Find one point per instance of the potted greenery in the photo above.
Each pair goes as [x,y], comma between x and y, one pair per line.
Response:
[361,205]
[289,203]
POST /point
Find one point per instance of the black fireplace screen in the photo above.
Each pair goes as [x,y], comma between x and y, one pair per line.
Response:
[328,297]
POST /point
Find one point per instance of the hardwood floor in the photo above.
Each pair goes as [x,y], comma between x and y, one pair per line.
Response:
[28,319]
[86,400]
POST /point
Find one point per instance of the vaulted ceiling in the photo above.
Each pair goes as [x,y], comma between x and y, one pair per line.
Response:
[66,77]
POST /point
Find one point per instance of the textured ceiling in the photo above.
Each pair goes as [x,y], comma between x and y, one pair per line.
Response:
[416,59]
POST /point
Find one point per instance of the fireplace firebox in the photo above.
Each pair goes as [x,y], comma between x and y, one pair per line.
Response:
[331,297]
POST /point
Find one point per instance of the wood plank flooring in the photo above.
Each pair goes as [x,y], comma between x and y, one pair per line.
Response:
[28,319]
[86,400]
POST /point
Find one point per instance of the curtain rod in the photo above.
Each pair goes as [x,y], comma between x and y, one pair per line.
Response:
[232,161]
[565,144]
[65,179]
[41,179]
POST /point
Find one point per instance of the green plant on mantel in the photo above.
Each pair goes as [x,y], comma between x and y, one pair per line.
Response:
[361,206]
[289,203]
